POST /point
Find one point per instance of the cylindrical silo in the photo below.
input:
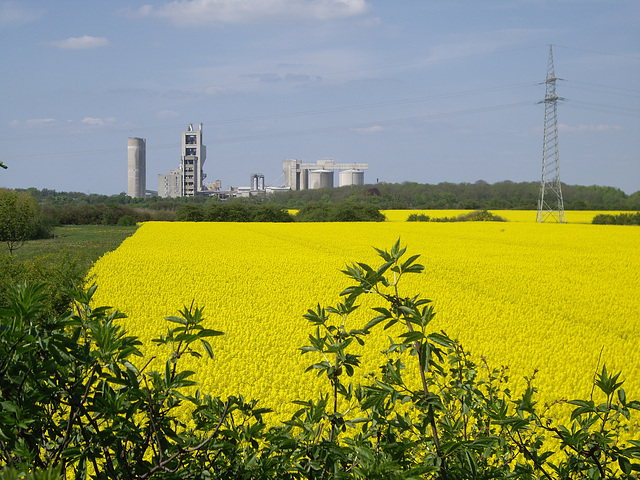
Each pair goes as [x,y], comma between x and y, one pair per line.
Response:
[320,179]
[304,179]
[137,158]
[351,177]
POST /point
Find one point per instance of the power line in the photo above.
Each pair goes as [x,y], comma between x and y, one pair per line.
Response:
[598,107]
[622,55]
[295,133]
[337,109]
[627,92]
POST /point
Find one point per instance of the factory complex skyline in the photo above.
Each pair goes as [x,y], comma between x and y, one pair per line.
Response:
[188,179]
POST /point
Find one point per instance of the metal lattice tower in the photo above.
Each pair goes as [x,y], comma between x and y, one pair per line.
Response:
[550,204]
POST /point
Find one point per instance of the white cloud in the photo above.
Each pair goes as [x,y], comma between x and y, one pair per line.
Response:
[588,128]
[213,90]
[167,114]
[12,15]
[33,122]
[80,43]
[280,78]
[368,130]
[100,122]
[208,12]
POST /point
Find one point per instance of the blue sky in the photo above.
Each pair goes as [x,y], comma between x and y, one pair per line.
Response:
[422,90]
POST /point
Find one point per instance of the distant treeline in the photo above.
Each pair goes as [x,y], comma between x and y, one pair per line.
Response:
[343,211]
[233,211]
[75,208]
[466,196]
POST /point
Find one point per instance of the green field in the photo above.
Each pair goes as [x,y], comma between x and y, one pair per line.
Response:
[59,262]
[89,242]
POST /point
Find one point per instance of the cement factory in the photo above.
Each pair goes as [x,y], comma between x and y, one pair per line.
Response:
[188,179]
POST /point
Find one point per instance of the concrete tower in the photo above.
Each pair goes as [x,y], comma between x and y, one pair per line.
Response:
[192,160]
[137,159]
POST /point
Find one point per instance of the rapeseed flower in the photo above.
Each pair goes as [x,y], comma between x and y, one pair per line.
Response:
[559,299]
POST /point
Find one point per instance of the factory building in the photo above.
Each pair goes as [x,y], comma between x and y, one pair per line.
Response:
[170,185]
[192,160]
[303,176]
[186,181]
[137,170]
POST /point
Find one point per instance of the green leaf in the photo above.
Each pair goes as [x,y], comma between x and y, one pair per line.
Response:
[116,380]
[167,372]
[207,347]
[408,311]
[425,355]
[440,339]
[9,407]
[375,321]
[625,464]
[414,336]
[622,396]
[207,332]
[635,404]
[384,254]
[383,268]
[178,320]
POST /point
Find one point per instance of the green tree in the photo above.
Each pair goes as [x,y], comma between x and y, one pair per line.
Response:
[189,212]
[342,211]
[19,219]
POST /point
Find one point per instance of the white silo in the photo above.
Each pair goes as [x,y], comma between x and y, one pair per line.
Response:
[320,179]
[351,177]
[137,170]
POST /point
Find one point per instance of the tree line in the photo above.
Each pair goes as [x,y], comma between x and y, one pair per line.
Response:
[387,196]
[75,208]
[480,195]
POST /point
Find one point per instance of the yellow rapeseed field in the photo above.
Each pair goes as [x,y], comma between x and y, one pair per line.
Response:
[547,297]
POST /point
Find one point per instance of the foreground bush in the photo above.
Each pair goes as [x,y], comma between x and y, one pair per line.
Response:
[76,396]
[57,273]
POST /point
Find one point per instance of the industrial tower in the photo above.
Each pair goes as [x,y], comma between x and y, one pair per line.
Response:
[136,161]
[550,204]
[192,159]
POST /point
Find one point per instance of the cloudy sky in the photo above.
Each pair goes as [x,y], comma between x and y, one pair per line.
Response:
[422,90]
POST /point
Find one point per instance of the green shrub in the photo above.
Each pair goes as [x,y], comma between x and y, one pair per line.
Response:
[58,272]
[190,212]
[619,219]
[126,221]
[344,211]
[475,216]
[272,213]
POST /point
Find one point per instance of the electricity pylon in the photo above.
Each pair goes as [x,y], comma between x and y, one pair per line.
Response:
[550,204]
